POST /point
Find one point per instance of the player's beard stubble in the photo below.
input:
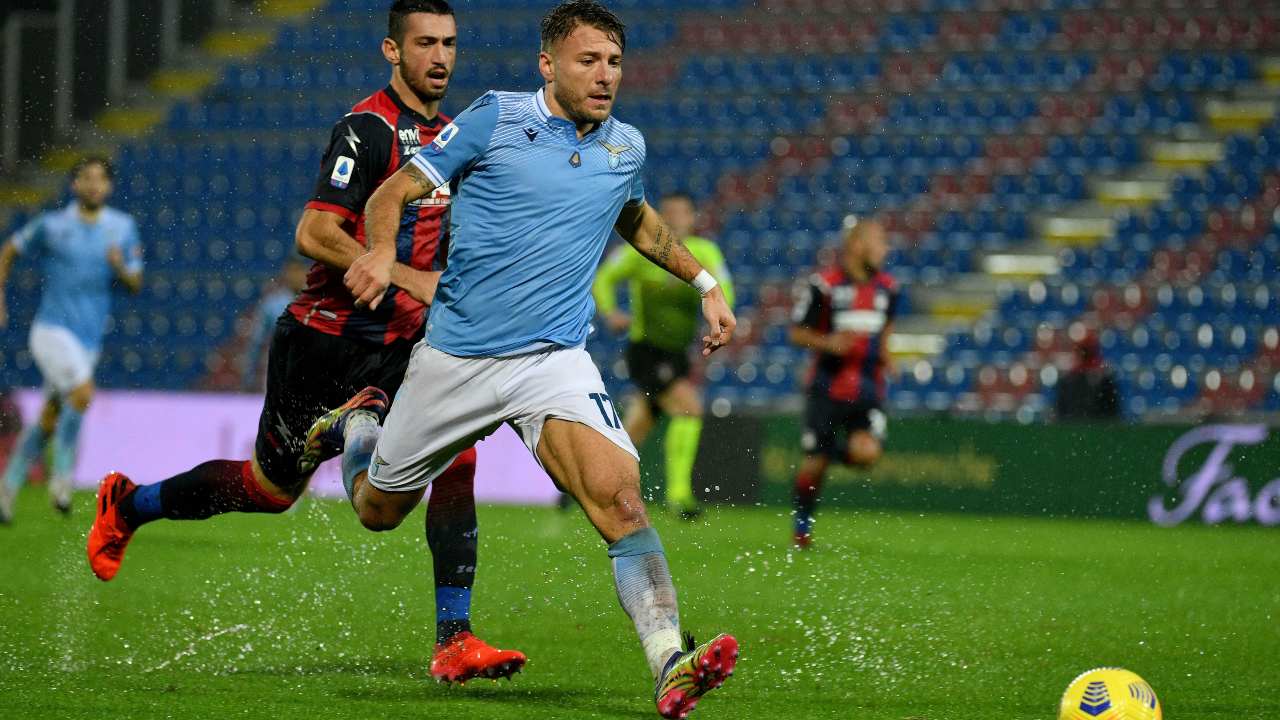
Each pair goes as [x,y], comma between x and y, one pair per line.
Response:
[576,107]
[419,87]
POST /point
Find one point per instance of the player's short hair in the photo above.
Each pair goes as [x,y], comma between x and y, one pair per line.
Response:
[568,15]
[100,160]
[401,9]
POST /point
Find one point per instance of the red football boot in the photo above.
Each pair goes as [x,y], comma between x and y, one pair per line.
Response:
[466,656]
[109,536]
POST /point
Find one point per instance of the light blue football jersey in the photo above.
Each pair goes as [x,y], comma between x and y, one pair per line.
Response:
[533,207]
[75,273]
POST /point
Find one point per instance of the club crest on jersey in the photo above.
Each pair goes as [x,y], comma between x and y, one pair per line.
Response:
[615,153]
[575,159]
[342,172]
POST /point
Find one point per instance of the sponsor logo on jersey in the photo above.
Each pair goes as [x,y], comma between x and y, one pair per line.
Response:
[859,321]
[438,197]
[531,134]
[409,136]
[445,136]
[343,169]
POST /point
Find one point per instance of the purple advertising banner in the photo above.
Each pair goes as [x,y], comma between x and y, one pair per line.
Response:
[152,435]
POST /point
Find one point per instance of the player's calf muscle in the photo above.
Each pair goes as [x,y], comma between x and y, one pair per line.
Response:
[381,511]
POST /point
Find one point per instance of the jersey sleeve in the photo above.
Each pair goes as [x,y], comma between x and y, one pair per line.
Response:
[808,304]
[891,312]
[131,246]
[461,143]
[635,195]
[30,236]
[357,159]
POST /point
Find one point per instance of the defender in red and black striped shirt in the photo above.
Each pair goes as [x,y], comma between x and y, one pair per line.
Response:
[325,349]
[843,313]
[366,147]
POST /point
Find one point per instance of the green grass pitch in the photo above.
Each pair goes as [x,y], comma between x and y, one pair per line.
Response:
[891,616]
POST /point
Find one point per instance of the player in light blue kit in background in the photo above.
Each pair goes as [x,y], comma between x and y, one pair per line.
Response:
[292,280]
[82,250]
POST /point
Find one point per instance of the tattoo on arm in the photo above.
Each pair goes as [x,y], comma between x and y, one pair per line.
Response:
[420,178]
[653,239]
[662,246]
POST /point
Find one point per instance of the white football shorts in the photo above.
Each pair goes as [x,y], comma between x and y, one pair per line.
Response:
[446,404]
[64,361]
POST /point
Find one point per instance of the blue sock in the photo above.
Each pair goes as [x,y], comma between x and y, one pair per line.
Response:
[645,591]
[65,437]
[453,611]
[147,504]
[26,451]
[361,437]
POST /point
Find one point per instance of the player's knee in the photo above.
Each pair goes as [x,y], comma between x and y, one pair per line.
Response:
[864,450]
[49,416]
[277,486]
[627,508]
[379,518]
[80,397]
[276,504]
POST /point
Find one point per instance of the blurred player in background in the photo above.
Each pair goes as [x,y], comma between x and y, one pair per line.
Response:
[1089,390]
[843,313]
[325,348]
[292,280]
[543,179]
[663,323]
[83,248]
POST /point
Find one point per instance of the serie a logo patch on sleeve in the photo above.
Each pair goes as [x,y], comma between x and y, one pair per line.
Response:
[342,171]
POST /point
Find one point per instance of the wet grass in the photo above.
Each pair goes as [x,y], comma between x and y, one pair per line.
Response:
[890,616]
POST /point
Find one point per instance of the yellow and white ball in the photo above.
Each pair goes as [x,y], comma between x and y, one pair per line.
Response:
[1109,694]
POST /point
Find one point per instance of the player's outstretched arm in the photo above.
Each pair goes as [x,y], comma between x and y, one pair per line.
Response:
[836,343]
[130,278]
[322,236]
[641,226]
[370,274]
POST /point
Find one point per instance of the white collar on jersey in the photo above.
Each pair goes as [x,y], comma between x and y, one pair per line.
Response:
[540,104]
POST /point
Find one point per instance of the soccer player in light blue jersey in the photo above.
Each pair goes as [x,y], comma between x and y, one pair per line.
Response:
[82,249]
[539,180]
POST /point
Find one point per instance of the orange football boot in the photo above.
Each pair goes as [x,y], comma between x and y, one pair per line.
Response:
[466,656]
[109,535]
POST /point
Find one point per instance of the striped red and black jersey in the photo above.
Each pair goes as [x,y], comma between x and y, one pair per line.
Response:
[831,301]
[366,147]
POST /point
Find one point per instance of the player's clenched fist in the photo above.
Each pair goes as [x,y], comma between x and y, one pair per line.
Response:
[369,277]
[720,319]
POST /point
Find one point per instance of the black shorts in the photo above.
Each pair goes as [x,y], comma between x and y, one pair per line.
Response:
[308,373]
[826,419]
[653,369]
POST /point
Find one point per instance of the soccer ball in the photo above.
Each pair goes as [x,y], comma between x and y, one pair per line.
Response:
[1109,694]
